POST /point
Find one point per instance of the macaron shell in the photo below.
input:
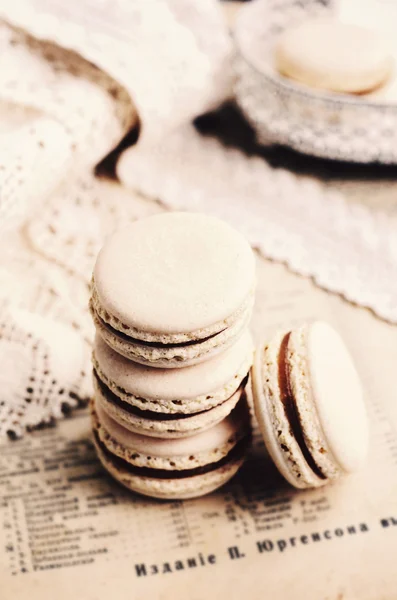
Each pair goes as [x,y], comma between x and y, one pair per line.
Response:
[171,357]
[170,455]
[165,257]
[204,441]
[270,413]
[187,390]
[169,429]
[163,338]
[301,388]
[171,489]
[217,445]
[338,396]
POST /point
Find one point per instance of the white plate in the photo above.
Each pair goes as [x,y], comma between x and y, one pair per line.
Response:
[338,126]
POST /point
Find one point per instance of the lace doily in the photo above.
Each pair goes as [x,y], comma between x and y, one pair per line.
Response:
[46,331]
[362,129]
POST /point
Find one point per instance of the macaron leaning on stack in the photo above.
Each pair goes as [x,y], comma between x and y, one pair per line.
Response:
[171,300]
[309,404]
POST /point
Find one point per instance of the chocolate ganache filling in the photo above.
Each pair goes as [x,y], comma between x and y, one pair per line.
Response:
[150,414]
[291,410]
[132,340]
[235,453]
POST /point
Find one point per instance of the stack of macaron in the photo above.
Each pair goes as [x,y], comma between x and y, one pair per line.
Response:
[171,301]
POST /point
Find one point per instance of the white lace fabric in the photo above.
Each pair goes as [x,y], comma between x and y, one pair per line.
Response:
[345,247]
[67,115]
[46,331]
[167,54]
[60,115]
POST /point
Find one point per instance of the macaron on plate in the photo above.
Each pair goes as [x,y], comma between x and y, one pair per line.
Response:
[309,404]
[196,280]
[327,54]
[172,468]
[170,403]
[307,80]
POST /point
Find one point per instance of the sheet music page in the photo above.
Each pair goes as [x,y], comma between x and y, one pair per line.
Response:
[68,531]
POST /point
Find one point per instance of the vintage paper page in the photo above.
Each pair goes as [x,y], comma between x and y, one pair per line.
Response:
[68,531]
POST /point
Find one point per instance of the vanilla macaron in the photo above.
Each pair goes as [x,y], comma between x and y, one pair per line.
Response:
[309,404]
[172,469]
[331,55]
[170,403]
[173,289]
